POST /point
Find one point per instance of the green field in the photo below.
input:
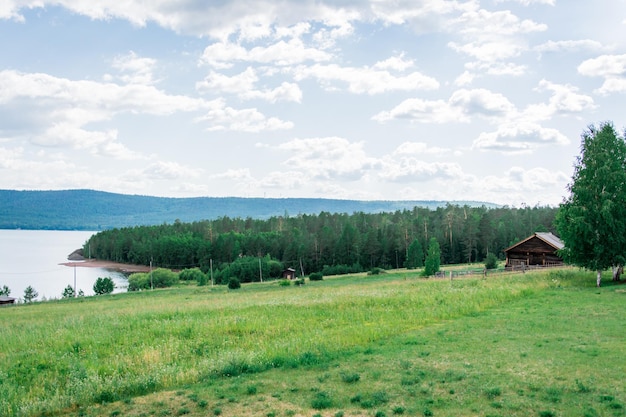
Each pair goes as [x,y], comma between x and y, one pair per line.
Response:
[535,344]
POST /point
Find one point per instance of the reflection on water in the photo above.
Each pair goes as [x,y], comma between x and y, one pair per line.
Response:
[33,257]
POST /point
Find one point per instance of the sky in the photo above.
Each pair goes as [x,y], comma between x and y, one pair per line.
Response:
[477,100]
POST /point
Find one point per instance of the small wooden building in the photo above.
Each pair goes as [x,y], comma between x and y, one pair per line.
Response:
[6,300]
[540,249]
[289,273]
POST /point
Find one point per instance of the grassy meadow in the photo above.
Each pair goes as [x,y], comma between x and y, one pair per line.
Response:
[537,344]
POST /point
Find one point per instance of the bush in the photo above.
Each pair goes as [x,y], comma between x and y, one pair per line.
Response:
[316,276]
[159,278]
[191,274]
[103,286]
[321,401]
[233,283]
[376,271]
[298,282]
[284,283]
[491,261]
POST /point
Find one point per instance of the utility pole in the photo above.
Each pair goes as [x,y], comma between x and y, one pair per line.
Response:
[151,286]
[211,263]
[260,270]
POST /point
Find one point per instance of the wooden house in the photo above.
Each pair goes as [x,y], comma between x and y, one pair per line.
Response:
[6,300]
[540,249]
[289,273]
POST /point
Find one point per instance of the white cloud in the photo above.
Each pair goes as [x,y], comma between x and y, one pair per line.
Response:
[222,117]
[244,86]
[366,80]
[328,158]
[134,69]
[162,170]
[565,99]
[519,138]
[492,40]
[395,63]
[413,169]
[604,66]
[610,67]
[529,2]
[419,148]
[490,51]
[281,53]
[459,108]
[571,46]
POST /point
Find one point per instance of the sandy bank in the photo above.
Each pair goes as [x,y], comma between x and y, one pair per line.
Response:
[115,266]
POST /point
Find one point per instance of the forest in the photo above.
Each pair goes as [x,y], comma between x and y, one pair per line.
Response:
[325,242]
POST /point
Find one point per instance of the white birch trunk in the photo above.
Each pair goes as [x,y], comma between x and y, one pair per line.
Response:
[599,278]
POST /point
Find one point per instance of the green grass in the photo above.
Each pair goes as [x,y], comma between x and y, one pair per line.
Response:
[532,344]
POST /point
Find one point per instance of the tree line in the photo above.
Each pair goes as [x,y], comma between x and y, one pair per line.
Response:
[325,242]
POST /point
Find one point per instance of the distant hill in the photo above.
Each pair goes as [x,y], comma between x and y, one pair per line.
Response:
[97,210]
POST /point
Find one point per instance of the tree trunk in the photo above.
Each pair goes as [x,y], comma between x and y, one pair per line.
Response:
[617,271]
[599,278]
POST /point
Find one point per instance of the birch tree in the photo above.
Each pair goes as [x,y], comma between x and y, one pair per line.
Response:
[592,220]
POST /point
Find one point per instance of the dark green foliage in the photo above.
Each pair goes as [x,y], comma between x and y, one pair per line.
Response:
[103,286]
[321,401]
[350,377]
[193,274]
[159,278]
[316,276]
[250,269]
[415,255]
[190,274]
[68,292]
[592,221]
[491,261]
[493,392]
[433,258]
[332,244]
[341,269]
[5,290]
[30,294]
[234,284]
[376,271]
[298,282]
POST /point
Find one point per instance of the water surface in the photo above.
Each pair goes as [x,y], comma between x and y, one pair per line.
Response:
[33,257]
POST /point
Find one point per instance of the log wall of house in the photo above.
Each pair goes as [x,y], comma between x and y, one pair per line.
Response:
[533,252]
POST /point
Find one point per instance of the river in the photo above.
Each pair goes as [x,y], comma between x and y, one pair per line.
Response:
[33,257]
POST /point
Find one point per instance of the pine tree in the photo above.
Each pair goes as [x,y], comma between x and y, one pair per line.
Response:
[30,294]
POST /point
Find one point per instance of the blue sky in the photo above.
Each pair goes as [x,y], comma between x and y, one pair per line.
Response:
[369,100]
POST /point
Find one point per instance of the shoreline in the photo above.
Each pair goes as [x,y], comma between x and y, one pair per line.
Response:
[115,266]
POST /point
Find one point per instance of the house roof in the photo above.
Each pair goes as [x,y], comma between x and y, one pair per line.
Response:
[547,237]
[4,298]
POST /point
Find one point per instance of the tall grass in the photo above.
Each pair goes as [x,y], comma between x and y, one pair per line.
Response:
[73,353]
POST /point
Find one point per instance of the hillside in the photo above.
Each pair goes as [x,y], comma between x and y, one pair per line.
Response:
[97,210]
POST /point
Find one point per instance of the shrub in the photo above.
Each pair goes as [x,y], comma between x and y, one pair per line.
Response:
[321,401]
[350,378]
[284,283]
[298,282]
[192,274]
[376,271]
[491,261]
[159,278]
[234,284]
[103,286]
[316,276]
